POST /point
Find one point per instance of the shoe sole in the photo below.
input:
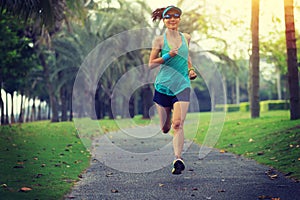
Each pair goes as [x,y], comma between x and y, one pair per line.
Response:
[178,167]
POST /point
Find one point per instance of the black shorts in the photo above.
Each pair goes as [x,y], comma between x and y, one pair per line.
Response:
[168,101]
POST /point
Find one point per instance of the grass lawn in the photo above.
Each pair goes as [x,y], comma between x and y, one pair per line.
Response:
[49,157]
[273,139]
[45,157]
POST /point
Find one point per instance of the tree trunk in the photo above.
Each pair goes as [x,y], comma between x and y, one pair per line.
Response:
[2,108]
[98,105]
[28,111]
[237,90]
[292,63]
[279,94]
[33,111]
[6,109]
[110,114]
[49,112]
[226,92]
[21,115]
[50,89]
[254,61]
[131,106]
[70,107]
[64,105]
[39,115]
[12,115]
[147,101]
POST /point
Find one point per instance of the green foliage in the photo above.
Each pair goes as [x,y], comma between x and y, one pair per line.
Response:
[45,13]
[102,19]
[232,107]
[17,58]
[244,107]
[274,51]
[274,105]
[265,106]
[228,108]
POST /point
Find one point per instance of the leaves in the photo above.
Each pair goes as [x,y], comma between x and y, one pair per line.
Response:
[272,174]
[38,175]
[268,197]
[161,185]
[25,189]
[222,151]
[19,167]
[109,174]
[260,153]
[114,191]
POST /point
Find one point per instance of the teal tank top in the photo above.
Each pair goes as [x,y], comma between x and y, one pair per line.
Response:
[172,77]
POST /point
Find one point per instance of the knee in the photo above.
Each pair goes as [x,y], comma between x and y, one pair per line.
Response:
[177,124]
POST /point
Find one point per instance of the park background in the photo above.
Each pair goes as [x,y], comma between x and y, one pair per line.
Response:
[44,45]
[40,86]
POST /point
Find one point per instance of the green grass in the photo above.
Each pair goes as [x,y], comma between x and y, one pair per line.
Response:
[273,139]
[49,157]
[44,156]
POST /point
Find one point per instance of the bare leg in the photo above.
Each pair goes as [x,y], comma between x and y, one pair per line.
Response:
[179,114]
[164,114]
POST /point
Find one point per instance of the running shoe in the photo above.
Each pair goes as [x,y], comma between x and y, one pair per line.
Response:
[178,166]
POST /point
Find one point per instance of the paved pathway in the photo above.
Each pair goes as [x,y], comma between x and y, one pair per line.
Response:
[136,165]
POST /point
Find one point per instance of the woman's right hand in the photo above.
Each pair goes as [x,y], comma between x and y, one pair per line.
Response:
[173,52]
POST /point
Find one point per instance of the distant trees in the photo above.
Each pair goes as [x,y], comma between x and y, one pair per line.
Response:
[17,60]
[40,57]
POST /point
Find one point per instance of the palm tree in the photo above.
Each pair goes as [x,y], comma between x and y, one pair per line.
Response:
[44,19]
[293,78]
[254,62]
[70,50]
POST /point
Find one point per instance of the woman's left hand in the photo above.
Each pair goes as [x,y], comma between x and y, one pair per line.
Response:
[192,75]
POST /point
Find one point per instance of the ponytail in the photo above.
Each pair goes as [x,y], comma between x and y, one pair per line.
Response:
[158,14]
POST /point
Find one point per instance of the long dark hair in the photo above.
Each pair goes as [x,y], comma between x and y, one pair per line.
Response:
[157,14]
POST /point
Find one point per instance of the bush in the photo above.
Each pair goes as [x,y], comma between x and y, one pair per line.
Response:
[244,107]
[232,107]
[219,107]
[274,105]
[227,107]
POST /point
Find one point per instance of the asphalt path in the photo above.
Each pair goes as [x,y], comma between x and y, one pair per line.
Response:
[136,164]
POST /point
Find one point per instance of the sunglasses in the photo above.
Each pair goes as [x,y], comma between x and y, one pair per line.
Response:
[169,16]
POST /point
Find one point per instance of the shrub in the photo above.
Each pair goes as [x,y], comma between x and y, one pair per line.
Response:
[227,107]
[244,107]
[232,107]
[219,107]
[274,105]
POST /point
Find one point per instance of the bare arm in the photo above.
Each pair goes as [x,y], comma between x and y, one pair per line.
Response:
[154,59]
[192,73]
